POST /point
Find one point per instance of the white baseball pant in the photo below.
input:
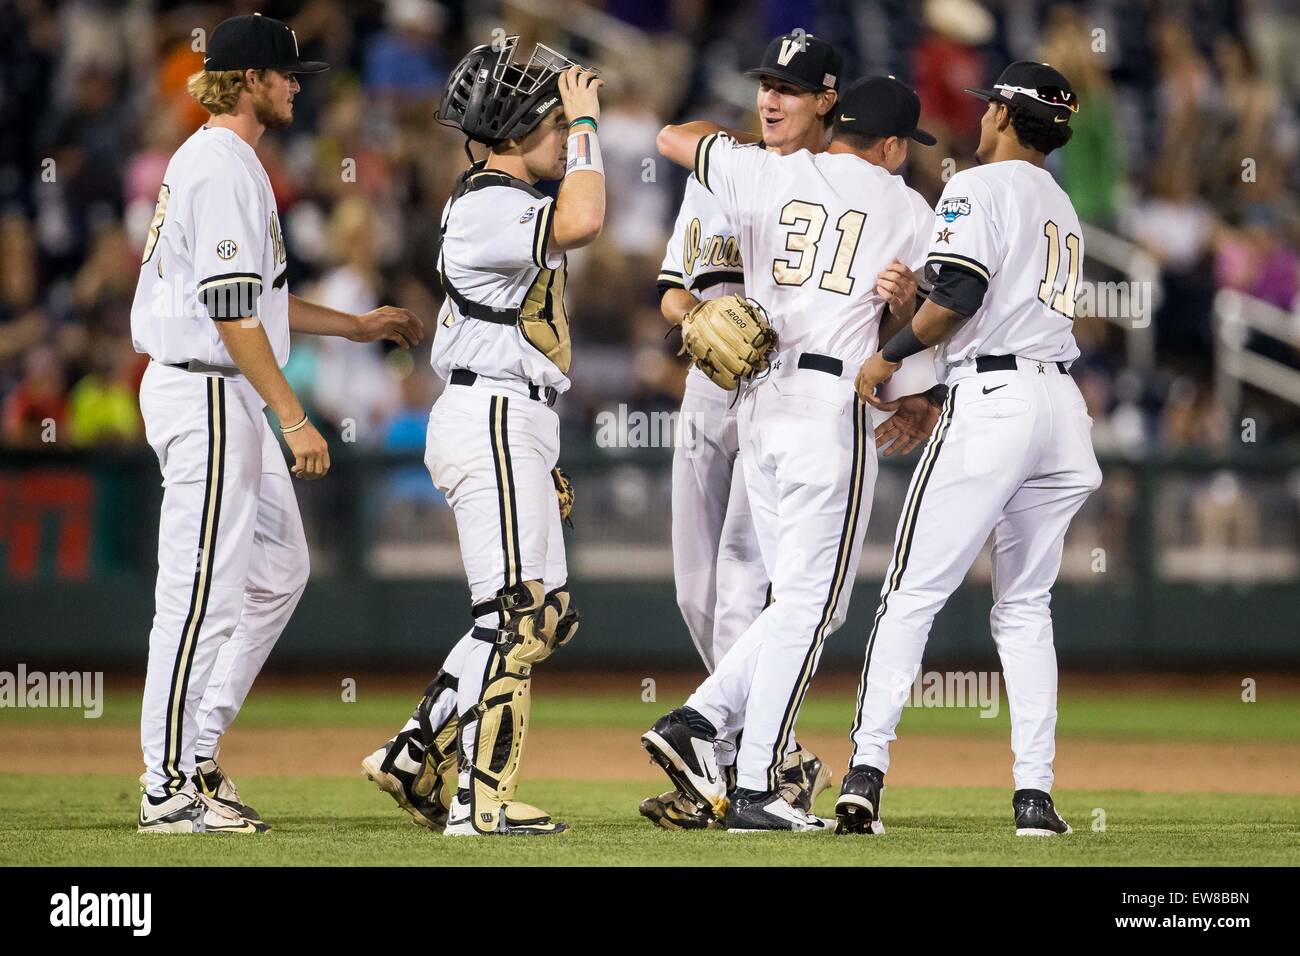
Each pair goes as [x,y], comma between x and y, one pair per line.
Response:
[1011,455]
[232,562]
[721,582]
[490,450]
[810,467]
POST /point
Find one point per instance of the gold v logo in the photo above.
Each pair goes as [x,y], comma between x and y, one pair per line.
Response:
[789,48]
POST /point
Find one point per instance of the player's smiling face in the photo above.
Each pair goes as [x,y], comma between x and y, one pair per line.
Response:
[273,99]
[789,114]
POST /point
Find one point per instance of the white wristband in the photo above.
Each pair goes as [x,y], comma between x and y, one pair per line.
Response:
[584,151]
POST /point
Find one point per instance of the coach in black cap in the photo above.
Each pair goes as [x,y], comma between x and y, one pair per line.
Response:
[876,117]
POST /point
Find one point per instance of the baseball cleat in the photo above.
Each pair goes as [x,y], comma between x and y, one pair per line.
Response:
[188,812]
[1036,815]
[686,754]
[751,812]
[857,809]
[211,781]
[503,819]
[425,810]
[803,778]
[673,810]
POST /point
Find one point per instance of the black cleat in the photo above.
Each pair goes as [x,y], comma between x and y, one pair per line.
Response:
[857,809]
[211,781]
[673,810]
[751,812]
[684,749]
[425,809]
[1036,816]
[803,778]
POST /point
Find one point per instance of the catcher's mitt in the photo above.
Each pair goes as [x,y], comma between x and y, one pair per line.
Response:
[728,339]
[564,492]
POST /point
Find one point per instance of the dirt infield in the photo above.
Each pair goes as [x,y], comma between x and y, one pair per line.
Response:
[601,754]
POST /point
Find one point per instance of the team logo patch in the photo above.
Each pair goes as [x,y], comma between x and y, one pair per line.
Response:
[528,215]
[952,208]
[226,249]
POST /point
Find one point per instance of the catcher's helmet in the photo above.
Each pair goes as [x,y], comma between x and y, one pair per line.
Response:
[491,98]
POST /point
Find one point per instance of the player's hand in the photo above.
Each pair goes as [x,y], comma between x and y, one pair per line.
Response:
[390,324]
[875,371]
[897,286]
[311,456]
[913,420]
[578,93]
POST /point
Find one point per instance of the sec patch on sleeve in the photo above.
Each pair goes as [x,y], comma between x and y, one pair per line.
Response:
[226,249]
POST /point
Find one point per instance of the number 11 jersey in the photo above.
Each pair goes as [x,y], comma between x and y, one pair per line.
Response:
[1013,235]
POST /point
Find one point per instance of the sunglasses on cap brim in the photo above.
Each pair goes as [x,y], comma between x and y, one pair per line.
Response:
[1048,95]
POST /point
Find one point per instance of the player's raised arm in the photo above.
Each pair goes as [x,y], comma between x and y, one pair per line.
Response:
[679,143]
[580,205]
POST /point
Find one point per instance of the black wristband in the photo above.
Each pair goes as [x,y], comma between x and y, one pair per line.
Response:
[937,396]
[902,345]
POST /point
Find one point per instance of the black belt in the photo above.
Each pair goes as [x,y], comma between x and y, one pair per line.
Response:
[1007,363]
[538,393]
[821,363]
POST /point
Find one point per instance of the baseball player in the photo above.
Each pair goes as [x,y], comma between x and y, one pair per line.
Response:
[815,231]
[214,313]
[1012,453]
[721,583]
[503,348]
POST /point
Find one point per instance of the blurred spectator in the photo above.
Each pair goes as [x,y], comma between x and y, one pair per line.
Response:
[403,58]
[33,413]
[102,408]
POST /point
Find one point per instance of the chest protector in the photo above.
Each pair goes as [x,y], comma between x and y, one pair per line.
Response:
[541,316]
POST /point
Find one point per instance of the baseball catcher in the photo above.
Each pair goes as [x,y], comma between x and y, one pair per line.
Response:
[503,349]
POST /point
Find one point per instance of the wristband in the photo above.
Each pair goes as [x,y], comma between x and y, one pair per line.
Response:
[294,428]
[583,119]
[584,153]
[902,345]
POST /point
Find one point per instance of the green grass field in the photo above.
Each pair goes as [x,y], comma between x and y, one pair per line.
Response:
[336,820]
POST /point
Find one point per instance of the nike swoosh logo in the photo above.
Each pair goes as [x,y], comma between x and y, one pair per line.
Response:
[994,388]
[1060,119]
[847,119]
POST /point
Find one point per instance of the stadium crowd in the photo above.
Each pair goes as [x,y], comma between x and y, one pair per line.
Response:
[1180,100]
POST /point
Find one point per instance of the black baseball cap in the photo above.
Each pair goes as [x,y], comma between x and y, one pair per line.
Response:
[1037,87]
[881,106]
[802,59]
[255,42]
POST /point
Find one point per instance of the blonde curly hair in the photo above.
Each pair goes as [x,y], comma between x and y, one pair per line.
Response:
[218,91]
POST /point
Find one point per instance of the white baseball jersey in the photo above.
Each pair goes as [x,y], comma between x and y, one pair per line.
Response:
[1014,230]
[216,227]
[838,220]
[494,253]
[703,255]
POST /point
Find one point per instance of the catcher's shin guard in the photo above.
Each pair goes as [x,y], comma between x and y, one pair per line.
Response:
[418,766]
[536,624]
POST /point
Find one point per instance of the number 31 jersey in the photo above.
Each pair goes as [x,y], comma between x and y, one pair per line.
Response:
[815,230]
[1013,230]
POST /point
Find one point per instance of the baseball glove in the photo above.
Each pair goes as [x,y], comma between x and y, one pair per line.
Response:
[728,339]
[564,492]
